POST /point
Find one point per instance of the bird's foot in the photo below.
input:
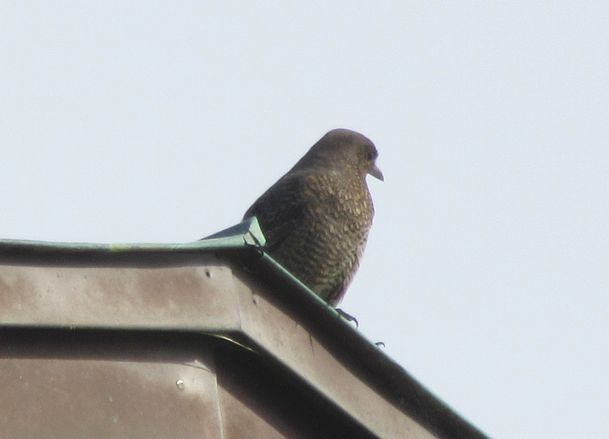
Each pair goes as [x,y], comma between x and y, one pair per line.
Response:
[348,317]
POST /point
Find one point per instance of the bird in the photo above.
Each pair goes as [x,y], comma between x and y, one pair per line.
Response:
[317,216]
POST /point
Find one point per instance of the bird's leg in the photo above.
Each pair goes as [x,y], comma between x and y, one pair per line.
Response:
[348,317]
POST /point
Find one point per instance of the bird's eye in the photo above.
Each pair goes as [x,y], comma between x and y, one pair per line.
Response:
[370,156]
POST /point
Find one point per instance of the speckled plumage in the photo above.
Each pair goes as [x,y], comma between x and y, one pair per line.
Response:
[316,217]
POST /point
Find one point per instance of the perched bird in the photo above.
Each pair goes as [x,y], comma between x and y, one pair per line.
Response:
[316,217]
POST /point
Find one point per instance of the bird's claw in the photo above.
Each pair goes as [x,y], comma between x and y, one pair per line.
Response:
[348,317]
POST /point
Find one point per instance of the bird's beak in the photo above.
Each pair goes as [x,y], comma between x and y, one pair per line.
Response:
[376,172]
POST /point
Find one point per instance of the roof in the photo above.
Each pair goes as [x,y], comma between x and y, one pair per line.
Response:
[225,287]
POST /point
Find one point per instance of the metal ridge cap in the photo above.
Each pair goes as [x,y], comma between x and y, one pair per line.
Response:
[244,234]
[379,369]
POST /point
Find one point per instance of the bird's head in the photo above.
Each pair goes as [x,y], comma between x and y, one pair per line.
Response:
[345,149]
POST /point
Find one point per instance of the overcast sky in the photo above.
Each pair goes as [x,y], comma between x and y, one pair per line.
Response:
[487,269]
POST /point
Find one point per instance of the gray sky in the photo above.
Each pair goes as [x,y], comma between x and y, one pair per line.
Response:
[487,269]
